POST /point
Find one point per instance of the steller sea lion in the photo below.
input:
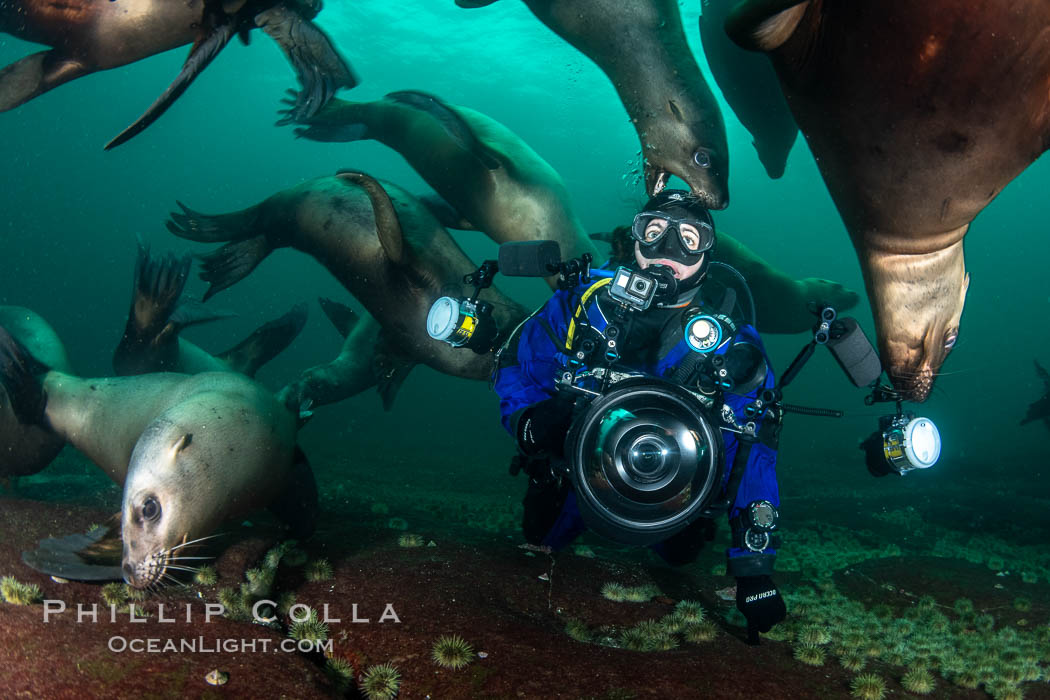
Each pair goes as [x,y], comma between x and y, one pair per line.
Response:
[750,86]
[918,114]
[493,181]
[93,35]
[27,449]
[641,46]
[151,341]
[381,243]
[191,451]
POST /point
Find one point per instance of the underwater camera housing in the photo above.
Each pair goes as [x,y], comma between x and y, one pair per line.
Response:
[466,322]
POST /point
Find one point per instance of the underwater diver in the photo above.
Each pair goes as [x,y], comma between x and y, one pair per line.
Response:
[676,233]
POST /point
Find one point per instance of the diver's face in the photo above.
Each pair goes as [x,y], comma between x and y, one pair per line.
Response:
[681,271]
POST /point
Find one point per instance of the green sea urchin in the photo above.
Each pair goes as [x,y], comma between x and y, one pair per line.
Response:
[810,655]
[614,591]
[700,632]
[814,635]
[381,682]
[868,686]
[113,594]
[319,570]
[18,593]
[853,661]
[340,671]
[578,630]
[919,681]
[410,540]
[690,610]
[310,629]
[206,576]
[452,651]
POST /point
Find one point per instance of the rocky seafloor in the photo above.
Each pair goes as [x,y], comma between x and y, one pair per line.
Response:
[890,593]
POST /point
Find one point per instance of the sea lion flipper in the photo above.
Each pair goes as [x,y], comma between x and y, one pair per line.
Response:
[1042,374]
[390,370]
[763,25]
[319,67]
[212,228]
[457,128]
[342,316]
[296,505]
[232,263]
[19,376]
[471,4]
[388,226]
[34,75]
[201,55]
[266,342]
[446,214]
[93,556]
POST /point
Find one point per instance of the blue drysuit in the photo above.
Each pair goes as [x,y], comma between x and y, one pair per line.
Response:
[532,379]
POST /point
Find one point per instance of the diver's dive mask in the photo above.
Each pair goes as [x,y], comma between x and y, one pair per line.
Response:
[693,236]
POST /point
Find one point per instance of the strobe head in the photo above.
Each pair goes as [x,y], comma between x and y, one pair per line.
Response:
[462,323]
[644,461]
[902,443]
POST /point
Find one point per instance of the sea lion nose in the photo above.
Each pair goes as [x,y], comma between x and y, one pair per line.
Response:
[129,574]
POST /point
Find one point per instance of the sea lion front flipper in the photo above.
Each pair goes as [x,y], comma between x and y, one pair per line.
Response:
[342,316]
[388,226]
[266,342]
[19,376]
[201,55]
[390,371]
[1042,374]
[34,75]
[319,67]
[456,127]
[446,214]
[94,556]
[296,505]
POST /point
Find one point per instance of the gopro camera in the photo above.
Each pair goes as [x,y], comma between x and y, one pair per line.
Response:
[638,289]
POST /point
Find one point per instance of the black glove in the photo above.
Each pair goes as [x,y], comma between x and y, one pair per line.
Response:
[758,598]
[542,427]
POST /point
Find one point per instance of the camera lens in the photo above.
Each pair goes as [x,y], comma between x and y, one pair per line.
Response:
[641,286]
[648,457]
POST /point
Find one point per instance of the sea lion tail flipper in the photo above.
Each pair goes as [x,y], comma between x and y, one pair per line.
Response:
[472,4]
[233,262]
[201,55]
[266,342]
[296,505]
[212,228]
[20,377]
[94,556]
[34,75]
[446,214]
[319,67]
[158,285]
[342,316]
[454,124]
[388,226]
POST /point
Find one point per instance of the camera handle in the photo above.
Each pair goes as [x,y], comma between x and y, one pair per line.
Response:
[774,396]
[482,277]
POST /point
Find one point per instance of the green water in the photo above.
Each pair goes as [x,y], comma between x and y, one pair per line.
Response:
[71,213]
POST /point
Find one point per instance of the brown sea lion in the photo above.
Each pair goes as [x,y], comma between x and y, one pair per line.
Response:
[190,451]
[27,449]
[151,341]
[93,35]
[918,114]
[641,47]
[493,181]
[750,86]
[381,243]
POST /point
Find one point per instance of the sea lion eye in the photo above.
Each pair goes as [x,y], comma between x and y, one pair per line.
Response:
[702,158]
[151,508]
[949,339]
